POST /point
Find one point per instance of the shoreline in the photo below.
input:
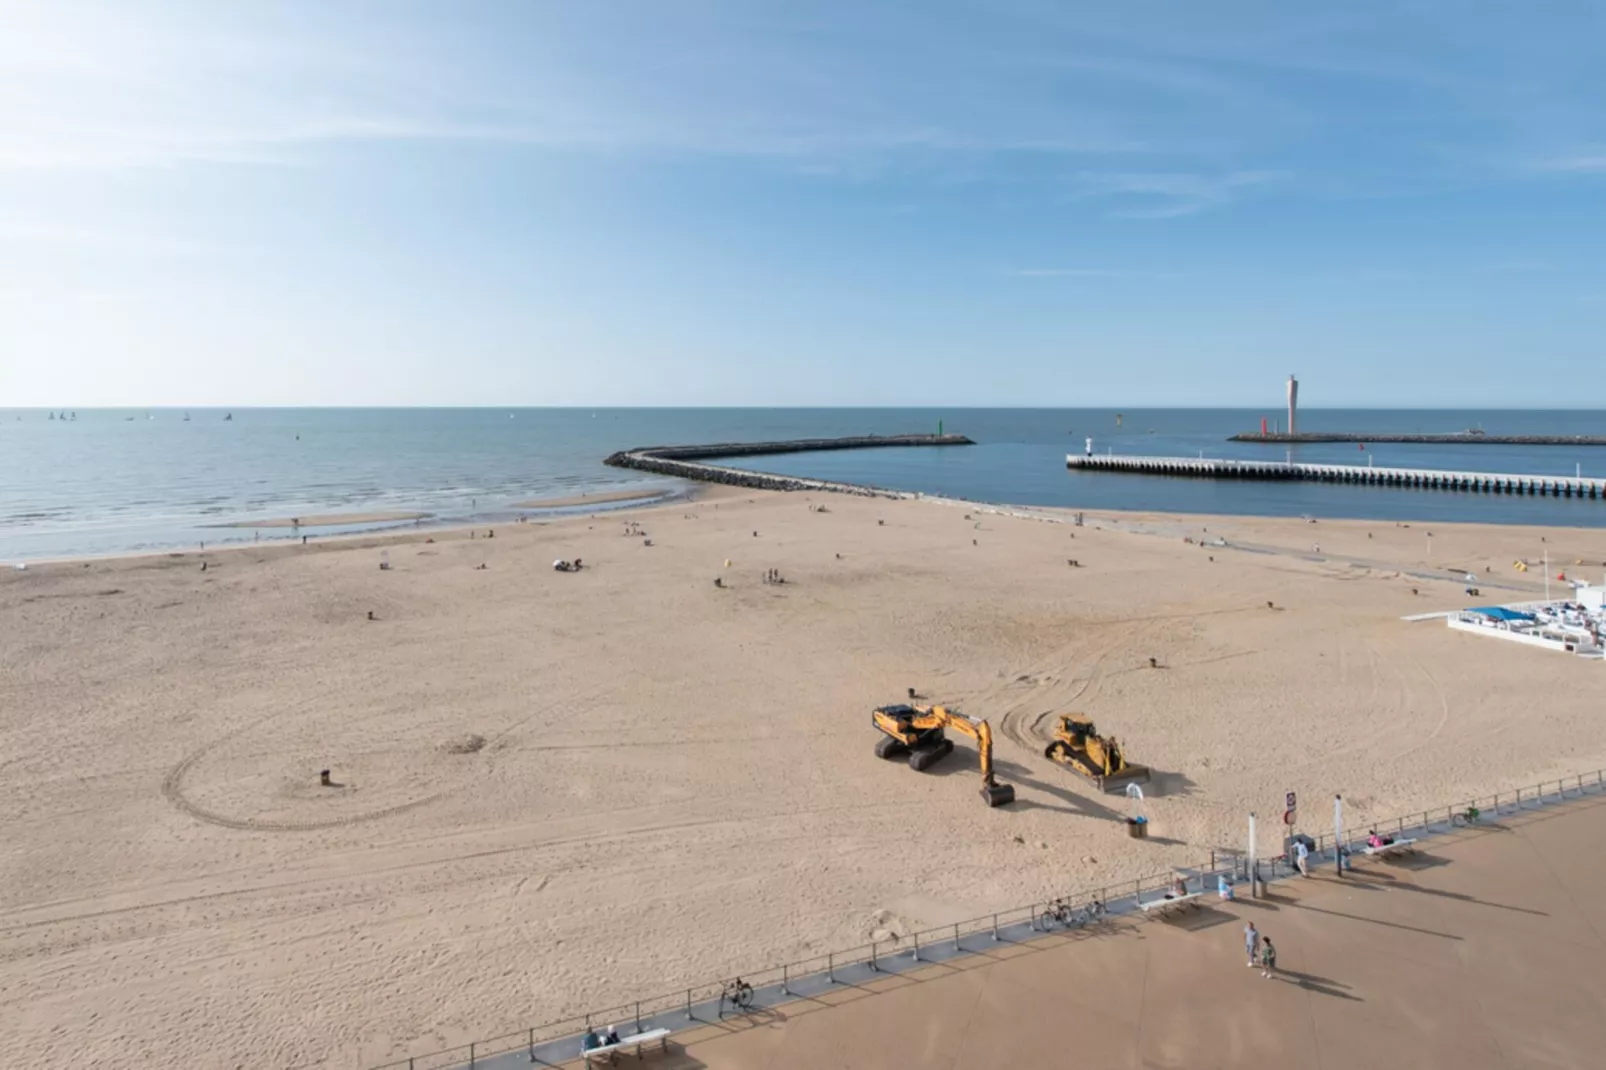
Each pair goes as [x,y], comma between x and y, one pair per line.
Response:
[614,497]
[1152,523]
[376,538]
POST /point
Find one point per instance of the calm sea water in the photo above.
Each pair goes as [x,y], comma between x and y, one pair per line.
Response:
[115,481]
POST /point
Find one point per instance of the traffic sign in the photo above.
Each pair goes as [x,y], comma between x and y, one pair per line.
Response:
[1289,802]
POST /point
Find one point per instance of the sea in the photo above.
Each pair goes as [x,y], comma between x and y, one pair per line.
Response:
[114,481]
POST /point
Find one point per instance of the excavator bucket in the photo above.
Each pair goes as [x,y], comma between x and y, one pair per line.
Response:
[998,794]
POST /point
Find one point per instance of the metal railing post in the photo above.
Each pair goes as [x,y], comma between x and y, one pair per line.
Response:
[957,948]
[995,928]
[830,967]
[471,1055]
[1519,798]
[917,947]
[689,1016]
[532,1048]
[638,1015]
[874,965]
[784,990]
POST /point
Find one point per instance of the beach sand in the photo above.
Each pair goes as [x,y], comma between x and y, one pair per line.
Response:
[557,791]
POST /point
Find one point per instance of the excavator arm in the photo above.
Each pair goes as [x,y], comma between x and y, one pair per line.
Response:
[912,725]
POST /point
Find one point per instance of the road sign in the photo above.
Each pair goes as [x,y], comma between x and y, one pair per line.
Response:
[1289,802]
[1288,818]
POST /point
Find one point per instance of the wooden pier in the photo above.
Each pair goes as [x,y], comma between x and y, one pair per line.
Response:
[1448,438]
[1421,478]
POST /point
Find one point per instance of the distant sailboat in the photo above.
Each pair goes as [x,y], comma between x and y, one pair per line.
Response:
[186,417]
[230,416]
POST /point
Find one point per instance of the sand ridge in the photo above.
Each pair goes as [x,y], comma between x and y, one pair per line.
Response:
[672,781]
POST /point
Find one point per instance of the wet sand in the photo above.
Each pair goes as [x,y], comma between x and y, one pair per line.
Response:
[604,498]
[324,520]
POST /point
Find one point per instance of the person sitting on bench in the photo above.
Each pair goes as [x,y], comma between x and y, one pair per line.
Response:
[612,1036]
[1374,840]
[591,1041]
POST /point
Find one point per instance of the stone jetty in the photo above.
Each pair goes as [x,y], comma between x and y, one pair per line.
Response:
[689,462]
[1424,478]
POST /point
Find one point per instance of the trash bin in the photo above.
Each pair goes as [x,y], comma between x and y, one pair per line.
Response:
[1137,828]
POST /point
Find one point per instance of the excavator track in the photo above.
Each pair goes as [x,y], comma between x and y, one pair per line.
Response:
[924,759]
[891,749]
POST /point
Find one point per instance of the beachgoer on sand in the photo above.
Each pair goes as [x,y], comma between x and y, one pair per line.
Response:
[1251,943]
[1268,958]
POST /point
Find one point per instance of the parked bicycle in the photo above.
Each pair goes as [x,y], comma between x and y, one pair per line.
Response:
[739,994]
[1469,816]
[1061,912]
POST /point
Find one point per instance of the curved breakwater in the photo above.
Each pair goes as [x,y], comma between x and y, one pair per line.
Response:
[688,462]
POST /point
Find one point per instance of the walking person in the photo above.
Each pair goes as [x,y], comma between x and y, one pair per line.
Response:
[1251,943]
[1302,857]
[1268,958]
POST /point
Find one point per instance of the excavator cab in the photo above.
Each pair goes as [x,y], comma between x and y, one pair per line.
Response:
[919,733]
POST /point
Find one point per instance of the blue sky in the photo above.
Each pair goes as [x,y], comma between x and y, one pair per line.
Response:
[933,202]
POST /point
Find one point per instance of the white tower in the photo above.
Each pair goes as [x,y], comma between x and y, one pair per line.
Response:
[1293,404]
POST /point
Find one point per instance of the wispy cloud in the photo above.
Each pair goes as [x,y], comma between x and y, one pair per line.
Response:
[1085,273]
[1589,163]
[1167,195]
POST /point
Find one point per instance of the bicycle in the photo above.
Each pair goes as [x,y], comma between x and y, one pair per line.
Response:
[1060,912]
[738,993]
[1467,817]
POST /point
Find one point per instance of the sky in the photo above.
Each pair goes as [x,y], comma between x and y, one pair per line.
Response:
[702,202]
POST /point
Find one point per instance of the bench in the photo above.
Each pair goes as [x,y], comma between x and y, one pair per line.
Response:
[638,1040]
[1387,849]
[1169,902]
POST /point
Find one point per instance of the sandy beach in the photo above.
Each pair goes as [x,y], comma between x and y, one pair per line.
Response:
[553,791]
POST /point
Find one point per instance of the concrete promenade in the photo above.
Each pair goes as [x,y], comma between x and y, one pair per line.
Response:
[1485,950]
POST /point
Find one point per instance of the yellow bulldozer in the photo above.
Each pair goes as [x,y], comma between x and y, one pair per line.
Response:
[1077,744]
[920,734]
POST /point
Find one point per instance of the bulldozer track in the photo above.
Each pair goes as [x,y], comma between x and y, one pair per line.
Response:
[1023,726]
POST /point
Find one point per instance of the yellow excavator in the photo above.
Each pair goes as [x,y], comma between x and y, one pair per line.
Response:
[919,733]
[1077,744]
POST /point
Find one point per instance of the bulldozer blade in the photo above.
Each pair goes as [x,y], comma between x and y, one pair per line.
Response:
[1132,774]
[998,794]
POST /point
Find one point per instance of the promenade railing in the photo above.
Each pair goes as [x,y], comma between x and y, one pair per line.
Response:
[776,984]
